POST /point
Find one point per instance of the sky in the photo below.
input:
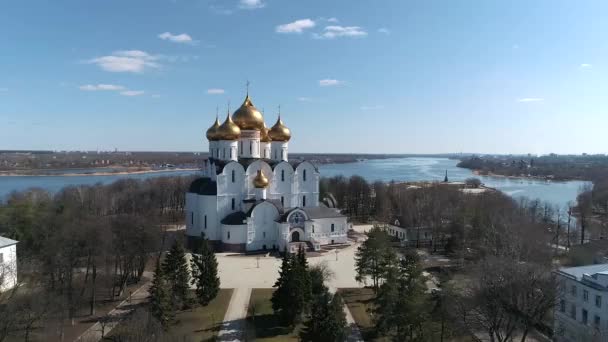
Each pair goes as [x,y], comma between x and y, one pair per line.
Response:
[364,76]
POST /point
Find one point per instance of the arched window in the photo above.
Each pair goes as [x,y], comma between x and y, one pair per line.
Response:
[332,227]
[192,217]
[282,175]
[304,200]
[228,235]
[233,176]
[205,221]
[250,147]
[233,204]
[282,201]
[304,175]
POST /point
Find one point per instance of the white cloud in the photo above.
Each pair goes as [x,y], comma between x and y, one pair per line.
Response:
[335,31]
[215,91]
[531,99]
[96,87]
[332,20]
[176,38]
[132,92]
[384,30]
[251,4]
[330,82]
[297,26]
[135,61]
[586,65]
[304,99]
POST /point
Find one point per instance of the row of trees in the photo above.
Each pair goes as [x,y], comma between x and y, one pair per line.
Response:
[302,295]
[170,290]
[506,290]
[83,245]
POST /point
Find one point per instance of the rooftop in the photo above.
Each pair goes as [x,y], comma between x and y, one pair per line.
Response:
[5,242]
[578,272]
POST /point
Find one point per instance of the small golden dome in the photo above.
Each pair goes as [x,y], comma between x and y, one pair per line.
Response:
[228,130]
[212,131]
[264,135]
[279,132]
[260,181]
[247,117]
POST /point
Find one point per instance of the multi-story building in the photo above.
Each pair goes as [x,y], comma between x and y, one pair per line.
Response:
[8,264]
[252,197]
[581,313]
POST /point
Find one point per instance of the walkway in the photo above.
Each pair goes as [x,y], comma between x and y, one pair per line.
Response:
[233,328]
[111,320]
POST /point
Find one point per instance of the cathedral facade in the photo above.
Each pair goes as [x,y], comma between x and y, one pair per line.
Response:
[252,197]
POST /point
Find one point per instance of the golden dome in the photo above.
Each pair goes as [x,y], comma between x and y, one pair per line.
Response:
[212,131]
[247,117]
[264,135]
[279,132]
[260,181]
[228,130]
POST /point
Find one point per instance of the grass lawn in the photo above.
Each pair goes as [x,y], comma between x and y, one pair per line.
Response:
[261,323]
[202,323]
[359,300]
[197,324]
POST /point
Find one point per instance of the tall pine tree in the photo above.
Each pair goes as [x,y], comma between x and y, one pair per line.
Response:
[204,273]
[401,306]
[160,299]
[327,321]
[292,296]
[177,274]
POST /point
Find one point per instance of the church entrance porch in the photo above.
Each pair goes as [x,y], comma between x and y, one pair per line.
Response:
[295,236]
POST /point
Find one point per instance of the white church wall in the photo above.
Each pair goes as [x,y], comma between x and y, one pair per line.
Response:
[307,183]
[230,186]
[263,218]
[8,268]
[191,214]
[324,235]
[234,234]
[208,220]
[282,185]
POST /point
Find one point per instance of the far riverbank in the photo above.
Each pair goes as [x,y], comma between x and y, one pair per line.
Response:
[67,173]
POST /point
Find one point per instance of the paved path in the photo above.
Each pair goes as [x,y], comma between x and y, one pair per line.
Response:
[244,273]
[94,333]
[233,328]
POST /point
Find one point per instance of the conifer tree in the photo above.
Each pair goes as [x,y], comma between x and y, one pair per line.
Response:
[401,306]
[374,257]
[204,273]
[327,321]
[281,297]
[160,299]
[177,274]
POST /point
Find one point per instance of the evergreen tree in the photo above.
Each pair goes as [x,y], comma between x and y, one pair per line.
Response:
[327,321]
[204,273]
[401,306]
[292,296]
[374,257]
[177,274]
[160,299]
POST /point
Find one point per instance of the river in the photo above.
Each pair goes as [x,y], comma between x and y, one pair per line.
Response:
[398,169]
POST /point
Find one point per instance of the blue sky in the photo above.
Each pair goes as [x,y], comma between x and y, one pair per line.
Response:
[381,76]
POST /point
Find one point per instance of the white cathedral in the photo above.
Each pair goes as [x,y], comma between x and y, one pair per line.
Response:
[251,197]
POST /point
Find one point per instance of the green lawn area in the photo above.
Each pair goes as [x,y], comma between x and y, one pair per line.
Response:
[202,323]
[196,324]
[359,300]
[261,323]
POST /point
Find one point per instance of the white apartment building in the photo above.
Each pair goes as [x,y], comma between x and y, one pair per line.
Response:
[8,264]
[581,313]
